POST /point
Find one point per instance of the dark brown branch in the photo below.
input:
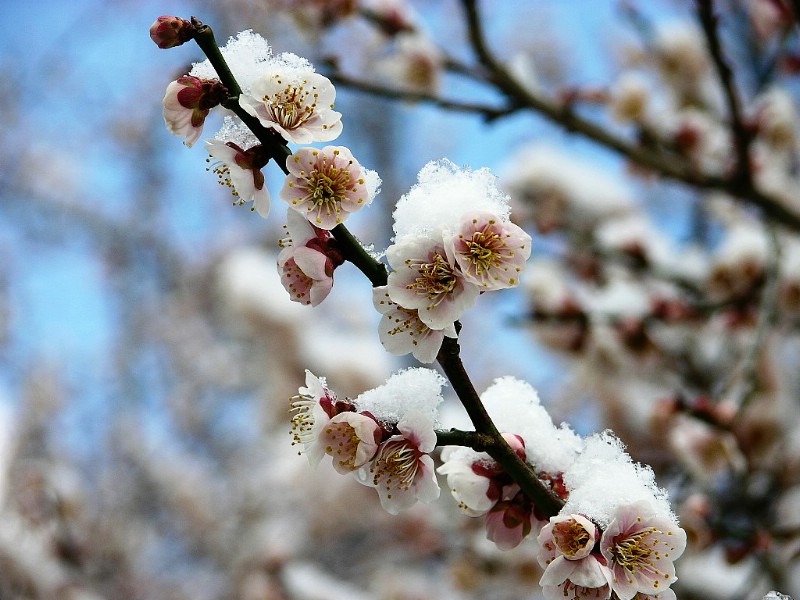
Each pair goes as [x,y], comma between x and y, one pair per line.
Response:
[519,470]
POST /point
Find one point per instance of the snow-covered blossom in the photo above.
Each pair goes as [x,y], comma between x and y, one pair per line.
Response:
[352,439]
[402,332]
[442,194]
[187,103]
[416,389]
[307,261]
[402,472]
[240,170]
[311,407]
[640,546]
[325,185]
[298,105]
[423,279]
[490,253]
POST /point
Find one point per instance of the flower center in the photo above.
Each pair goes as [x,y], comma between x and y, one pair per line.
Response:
[633,553]
[342,443]
[290,108]
[482,250]
[396,466]
[571,537]
[435,278]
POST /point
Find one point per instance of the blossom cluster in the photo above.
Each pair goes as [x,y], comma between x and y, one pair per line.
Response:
[293,102]
[387,450]
[453,240]
[615,533]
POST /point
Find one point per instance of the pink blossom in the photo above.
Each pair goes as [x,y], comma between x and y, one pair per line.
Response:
[569,590]
[424,279]
[640,548]
[187,103]
[307,261]
[297,105]
[240,170]
[325,185]
[352,439]
[402,332]
[510,520]
[490,252]
[402,472]
[565,552]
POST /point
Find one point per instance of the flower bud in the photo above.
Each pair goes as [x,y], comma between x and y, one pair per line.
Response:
[168,32]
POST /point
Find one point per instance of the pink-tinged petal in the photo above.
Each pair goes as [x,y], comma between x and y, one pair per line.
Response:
[261,202]
[311,262]
[297,283]
[490,252]
[558,571]
[417,427]
[350,438]
[300,230]
[320,290]
[426,487]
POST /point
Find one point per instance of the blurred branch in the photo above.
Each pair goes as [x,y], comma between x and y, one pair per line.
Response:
[489,112]
[741,137]
[667,165]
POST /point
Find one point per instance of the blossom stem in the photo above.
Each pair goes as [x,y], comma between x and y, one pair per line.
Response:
[275,145]
[521,472]
[353,251]
[472,439]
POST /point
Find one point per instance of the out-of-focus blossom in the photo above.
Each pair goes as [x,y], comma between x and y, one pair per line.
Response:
[415,64]
[640,548]
[168,31]
[325,185]
[628,100]
[298,105]
[307,261]
[187,103]
[402,472]
[351,439]
[423,279]
[491,253]
[240,170]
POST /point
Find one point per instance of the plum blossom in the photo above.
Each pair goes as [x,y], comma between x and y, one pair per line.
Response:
[325,185]
[640,547]
[352,439]
[402,471]
[469,479]
[187,103]
[569,590]
[402,332]
[307,261]
[298,105]
[424,279]
[240,170]
[490,253]
[565,552]
[311,407]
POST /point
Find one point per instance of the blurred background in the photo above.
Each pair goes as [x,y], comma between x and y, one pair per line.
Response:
[148,350]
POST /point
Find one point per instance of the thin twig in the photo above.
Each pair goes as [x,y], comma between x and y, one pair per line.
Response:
[741,136]
[489,112]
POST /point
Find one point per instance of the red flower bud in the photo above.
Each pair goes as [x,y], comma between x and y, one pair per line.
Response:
[168,32]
